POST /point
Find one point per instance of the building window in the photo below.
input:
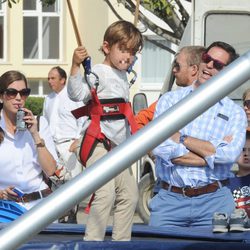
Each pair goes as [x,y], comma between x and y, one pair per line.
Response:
[39,87]
[155,63]
[2,30]
[41,31]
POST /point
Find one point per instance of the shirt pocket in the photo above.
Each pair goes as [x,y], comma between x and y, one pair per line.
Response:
[221,123]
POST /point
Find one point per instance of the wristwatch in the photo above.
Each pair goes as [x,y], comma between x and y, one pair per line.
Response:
[182,138]
[40,144]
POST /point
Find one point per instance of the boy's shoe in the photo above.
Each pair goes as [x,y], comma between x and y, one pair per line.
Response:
[239,221]
[220,222]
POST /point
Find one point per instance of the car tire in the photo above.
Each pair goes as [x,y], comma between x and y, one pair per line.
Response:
[146,188]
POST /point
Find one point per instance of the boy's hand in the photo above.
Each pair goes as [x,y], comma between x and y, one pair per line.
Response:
[80,54]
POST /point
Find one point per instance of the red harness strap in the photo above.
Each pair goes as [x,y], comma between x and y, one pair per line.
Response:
[99,110]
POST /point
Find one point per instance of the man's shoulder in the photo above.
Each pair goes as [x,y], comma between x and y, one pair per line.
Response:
[232,106]
[178,93]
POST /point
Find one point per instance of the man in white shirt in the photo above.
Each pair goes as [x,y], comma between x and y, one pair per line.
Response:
[65,129]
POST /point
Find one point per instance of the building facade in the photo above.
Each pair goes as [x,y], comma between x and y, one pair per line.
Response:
[34,38]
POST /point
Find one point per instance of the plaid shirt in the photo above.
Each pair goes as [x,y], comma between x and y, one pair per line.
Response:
[224,118]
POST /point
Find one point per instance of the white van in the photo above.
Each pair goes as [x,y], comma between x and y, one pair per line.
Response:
[211,20]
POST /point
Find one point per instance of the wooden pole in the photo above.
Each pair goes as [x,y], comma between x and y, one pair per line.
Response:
[136,12]
[77,34]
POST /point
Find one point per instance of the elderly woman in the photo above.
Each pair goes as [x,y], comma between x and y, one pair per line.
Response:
[26,155]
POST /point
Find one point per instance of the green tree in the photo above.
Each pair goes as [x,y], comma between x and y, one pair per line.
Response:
[172,12]
[35,104]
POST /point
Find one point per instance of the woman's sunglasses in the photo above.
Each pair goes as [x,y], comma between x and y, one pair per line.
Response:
[12,93]
[218,65]
[246,103]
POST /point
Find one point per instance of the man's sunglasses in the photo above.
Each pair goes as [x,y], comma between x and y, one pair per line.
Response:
[246,103]
[218,65]
[177,66]
[12,93]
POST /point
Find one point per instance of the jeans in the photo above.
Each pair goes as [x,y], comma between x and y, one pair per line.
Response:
[169,209]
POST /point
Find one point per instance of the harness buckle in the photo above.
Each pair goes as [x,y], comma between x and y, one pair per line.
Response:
[110,109]
[107,144]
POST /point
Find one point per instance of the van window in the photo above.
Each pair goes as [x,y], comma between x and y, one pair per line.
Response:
[153,74]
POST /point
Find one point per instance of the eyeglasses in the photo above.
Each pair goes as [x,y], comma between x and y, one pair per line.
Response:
[246,103]
[177,66]
[12,93]
[218,65]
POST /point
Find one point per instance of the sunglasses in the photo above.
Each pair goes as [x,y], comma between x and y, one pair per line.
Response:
[177,66]
[218,65]
[246,103]
[12,93]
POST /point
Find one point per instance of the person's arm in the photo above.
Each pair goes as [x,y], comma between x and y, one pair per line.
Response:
[80,54]
[45,158]
[190,159]
[225,150]
[145,116]
[229,150]
[170,149]
[199,149]
[77,87]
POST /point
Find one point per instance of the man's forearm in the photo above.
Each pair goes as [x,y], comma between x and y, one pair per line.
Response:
[190,159]
[199,147]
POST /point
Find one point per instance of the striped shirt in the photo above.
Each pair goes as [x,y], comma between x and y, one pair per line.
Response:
[222,119]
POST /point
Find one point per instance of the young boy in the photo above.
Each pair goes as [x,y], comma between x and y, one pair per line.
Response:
[240,184]
[122,40]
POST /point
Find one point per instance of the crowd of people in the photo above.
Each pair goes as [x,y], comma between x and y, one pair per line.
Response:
[194,165]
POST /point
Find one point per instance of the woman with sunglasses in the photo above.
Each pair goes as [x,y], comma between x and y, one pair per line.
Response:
[246,105]
[25,154]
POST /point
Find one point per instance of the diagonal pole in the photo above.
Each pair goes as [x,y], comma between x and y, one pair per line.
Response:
[76,30]
[136,12]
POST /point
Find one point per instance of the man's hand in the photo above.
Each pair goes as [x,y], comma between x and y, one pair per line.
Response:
[176,137]
[228,138]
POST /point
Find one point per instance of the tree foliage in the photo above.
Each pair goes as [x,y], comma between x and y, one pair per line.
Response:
[172,12]
[35,104]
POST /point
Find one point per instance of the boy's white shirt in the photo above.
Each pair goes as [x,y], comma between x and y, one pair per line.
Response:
[113,83]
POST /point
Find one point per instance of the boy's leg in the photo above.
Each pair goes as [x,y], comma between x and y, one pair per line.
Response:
[102,204]
[125,205]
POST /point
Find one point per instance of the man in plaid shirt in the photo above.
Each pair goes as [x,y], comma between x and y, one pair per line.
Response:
[194,164]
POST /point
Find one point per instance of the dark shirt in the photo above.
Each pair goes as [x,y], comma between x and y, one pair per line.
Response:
[240,187]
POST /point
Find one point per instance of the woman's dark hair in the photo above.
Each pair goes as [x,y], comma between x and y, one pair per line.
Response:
[9,77]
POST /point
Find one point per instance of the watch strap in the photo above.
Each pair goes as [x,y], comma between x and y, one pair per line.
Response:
[182,138]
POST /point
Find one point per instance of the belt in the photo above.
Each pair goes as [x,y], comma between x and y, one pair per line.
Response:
[35,195]
[61,142]
[192,192]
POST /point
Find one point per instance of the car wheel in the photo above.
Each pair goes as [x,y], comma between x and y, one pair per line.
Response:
[146,187]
